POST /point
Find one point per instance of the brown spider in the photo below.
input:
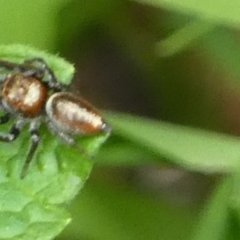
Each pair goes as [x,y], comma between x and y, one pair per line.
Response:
[31,95]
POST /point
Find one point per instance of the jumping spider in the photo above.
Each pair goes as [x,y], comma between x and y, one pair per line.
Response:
[31,94]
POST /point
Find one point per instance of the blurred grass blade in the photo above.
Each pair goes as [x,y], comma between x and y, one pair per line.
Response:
[188,147]
[214,220]
[235,196]
[124,154]
[221,11]
[182,38]
[224,50]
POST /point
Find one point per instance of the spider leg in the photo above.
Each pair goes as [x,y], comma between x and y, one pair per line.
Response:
[35,138]
[12,135]
[68,139]
[40,64]
[8,65]
[35,67]
[16,67]
[28,70]
[5,118]
[3,77]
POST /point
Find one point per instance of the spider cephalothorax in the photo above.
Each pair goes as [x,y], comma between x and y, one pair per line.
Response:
[31,94]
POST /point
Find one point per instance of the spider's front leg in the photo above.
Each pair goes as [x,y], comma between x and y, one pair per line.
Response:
[8,65]
[3,78]
[14,68]
[41,66]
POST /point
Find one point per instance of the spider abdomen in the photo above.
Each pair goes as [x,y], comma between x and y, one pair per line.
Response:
[74,115]
[24,94]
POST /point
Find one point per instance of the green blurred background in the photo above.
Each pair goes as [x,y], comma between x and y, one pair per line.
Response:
[176,61]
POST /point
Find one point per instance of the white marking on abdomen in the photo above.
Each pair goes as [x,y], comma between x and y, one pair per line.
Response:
[76,113]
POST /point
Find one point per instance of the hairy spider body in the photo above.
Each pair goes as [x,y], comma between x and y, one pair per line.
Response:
[24,95]
[31,94]
[74,115]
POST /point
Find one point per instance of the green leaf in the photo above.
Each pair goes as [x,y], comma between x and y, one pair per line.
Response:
[214,220]
[235,196]
[191,148]
[220,11]
[32,208]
